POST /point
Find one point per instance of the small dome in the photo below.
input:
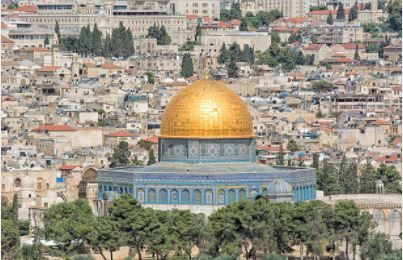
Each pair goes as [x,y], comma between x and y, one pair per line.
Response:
[279,187]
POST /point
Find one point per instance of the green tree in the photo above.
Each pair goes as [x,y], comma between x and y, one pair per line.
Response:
[329,19]
[121,155]
[46,41]
[151,157]
[57,31]
[70,44]
[70,223]
[34,251]
[356,54]
[368,178]
[322,86]
[315,160]
[96,41]
[187,69]
[10,240]
[292,146]
[390,177]
[131,220]
[150,78]
[107,47]
[14,209]
[85,41]
[353,14]
[295,37]
[349,179]
[163,37]
[106,236]
[198,32]
[232,68]
[234,13]
[327,179]
[244,25]
[378,248]
[346,221]
[280,156]
[394,20]
[275,38]
[340,16]
[223,56]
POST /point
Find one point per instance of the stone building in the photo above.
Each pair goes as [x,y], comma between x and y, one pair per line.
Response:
[207,159]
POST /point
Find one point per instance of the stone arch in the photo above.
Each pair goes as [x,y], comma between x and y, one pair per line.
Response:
[252,194]
[152,196]
[197,197]
[174,197]
[394,222]
[231,196]
[379,219]
[17,183]
[241,195]
[208,197]
[163,196]
[89,175]
[185,197]
[140,195]
[221,197]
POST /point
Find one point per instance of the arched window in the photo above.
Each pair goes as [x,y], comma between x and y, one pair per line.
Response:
[253,194]
[17,183]
[151,195]
[221,197]
[140,195]
[174,196]
[209,197]
[242,194]
[394,223]
[379,219]
[197,197]
[185,197]
[163,196]
[231,196]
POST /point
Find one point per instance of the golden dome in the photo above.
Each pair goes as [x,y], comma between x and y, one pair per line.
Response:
[206,109]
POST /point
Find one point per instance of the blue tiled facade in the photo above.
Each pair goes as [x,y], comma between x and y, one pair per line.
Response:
[203,172]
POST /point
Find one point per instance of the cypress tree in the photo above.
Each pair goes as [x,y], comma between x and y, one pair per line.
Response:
[14,209]
[353,13]
[46,41]
[232,69]
[151,157]
[163,38]
[198,32]
[244,25]
[130,44]
[329,19]
[223,56]
[57,31]
[107,47]
[187,66]
[280,156]
[357,54]
[340,12]
[96,40]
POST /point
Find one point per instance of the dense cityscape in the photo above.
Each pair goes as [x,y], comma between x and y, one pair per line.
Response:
[201,129]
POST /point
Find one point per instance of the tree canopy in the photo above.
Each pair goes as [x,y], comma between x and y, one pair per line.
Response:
[187,69]
[121,155]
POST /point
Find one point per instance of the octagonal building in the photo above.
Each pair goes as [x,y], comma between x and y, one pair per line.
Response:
[207,158]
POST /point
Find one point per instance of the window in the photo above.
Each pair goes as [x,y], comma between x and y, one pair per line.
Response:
[163,196]
[140,195]
[3,186]
[175,196]
[47,185]
[17,183]
[185,197]
[151,195]
[195,5]
[45,205]
[242,195]
[221,197]
[231,196]
[209,197]
[205,5]
[197,197]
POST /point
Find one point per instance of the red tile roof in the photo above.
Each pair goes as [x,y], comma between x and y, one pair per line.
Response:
[344,60]
[5,39]
[68,167]
[397,141]
[286,29]
[48,69]
[297,19]
[121,133]
[379,122]
[388,158]
[235,22]
[54,128]
[352,46]
[191,16]
[27,9]
[4,26]
[152,139]
[313,47]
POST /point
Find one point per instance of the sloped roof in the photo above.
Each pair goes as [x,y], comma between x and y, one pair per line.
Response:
[121,133]
[313,46]
[55,128]
[48,69]
[5,39]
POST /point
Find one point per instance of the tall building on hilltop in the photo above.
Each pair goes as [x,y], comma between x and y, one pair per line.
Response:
[206,159]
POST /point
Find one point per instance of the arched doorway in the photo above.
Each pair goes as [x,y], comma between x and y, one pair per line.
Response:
[90,175]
